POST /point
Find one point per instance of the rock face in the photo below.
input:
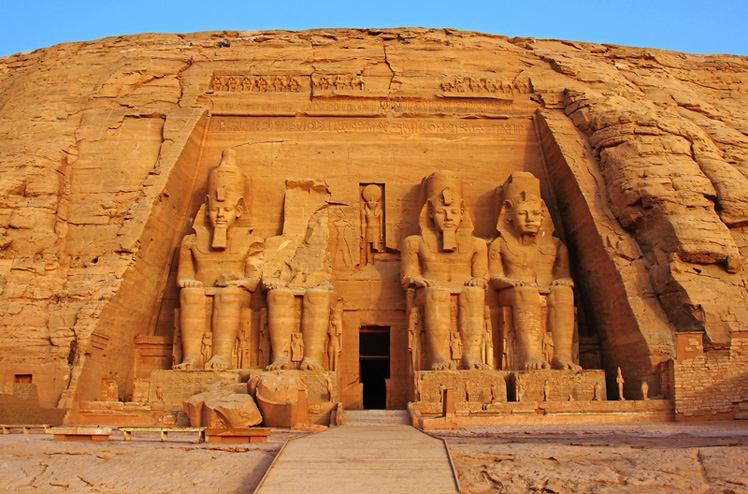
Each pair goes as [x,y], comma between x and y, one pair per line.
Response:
[106,146]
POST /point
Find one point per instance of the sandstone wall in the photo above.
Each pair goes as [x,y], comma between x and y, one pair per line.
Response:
[105,146]
[711,386]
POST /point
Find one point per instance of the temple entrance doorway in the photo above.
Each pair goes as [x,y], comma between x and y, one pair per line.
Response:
[374,360]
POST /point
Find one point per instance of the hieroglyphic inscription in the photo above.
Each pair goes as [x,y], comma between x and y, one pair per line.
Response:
[496,107]
[482,85]
[255,84]
[365,125]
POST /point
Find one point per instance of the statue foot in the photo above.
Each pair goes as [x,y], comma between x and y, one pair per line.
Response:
[280,364]
[217,363]
[188,363]
[564,363]
[310,363]
[471,363]
[535,363]
[443,365]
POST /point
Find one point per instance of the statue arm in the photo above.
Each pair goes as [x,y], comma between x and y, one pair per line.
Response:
[186,271]
[380,217]
[479,264]
[561,271]
[411,266]
[497,278]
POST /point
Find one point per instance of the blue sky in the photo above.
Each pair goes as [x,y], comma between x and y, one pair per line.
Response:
[716,26]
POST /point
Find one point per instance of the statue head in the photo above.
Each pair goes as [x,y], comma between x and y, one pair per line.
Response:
[225,200]
[444,208]
[522,208]
[372,193]
[525,213]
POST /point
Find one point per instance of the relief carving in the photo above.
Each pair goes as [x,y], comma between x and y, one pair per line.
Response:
[530,270]
[342,231]
[255,84]
[444,262]
[372,222]
[215,263]
[335,337]
[482,85]
[338,82]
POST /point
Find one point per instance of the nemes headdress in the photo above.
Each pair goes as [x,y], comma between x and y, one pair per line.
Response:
[226,182]
[523,184]
[521,187]
[446,187]
[440,181]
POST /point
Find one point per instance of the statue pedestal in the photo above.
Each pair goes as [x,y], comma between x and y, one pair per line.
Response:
[470,386]
[558,384]
[473,388]
[177,386]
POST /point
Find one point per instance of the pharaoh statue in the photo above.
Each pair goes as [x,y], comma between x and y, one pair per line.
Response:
[372,223]
[530,269]
[443,262]
[214,263]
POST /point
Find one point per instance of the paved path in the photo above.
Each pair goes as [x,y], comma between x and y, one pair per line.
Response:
[362,458]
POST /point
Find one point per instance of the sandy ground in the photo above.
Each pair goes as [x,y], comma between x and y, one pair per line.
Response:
[37,463]
[650,458]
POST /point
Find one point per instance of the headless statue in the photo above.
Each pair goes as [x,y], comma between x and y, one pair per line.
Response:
[214,261]
[527,262]
[446,259]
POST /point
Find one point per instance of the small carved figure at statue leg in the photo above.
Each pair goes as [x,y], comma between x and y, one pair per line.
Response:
[620,381]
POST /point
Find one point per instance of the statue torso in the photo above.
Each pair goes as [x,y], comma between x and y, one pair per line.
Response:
[212,263]
[532,263]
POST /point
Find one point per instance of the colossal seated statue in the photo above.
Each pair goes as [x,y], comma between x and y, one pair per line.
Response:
[214,262]
[530,268]
[445,261]
[297,278]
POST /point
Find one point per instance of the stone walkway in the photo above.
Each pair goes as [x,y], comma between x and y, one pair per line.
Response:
[362,458]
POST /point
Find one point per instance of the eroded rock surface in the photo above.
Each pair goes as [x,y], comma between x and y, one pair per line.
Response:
[102,141]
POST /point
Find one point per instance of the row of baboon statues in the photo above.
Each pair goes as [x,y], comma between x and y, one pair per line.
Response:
[443,266]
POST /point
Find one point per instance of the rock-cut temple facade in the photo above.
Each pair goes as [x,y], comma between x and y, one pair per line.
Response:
[234,228]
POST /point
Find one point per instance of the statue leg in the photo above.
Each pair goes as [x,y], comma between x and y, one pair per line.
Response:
[192,319]
[472,326]
[528,326]
[227,306]
[280,325]
[437,318]
[561,326]
[315,322]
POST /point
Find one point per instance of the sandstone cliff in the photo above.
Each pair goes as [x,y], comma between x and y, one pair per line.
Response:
[646,152]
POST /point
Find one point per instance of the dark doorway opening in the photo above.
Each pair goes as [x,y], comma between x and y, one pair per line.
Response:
[374,359]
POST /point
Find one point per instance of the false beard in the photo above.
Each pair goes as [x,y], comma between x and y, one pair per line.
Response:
[220,237]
